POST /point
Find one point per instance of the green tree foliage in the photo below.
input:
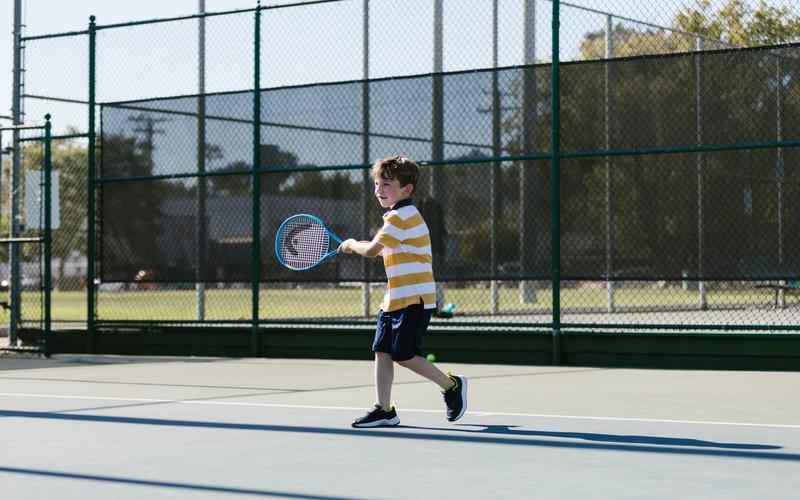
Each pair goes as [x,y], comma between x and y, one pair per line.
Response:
[740,23]
[317,184]
[734,23]
[310,183]
[475,244]
[272,157]
[232,184]
[69,159]
[652,104]
[131,210]
[632,42]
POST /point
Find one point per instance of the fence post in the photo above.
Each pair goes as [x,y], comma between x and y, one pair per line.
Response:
[366,180]
[17,116]
[90,215]
[202,191]
[701,286]
[529,190]
[555,187]
[48,224]
[779,167]
[610,306]
[438,191]
[495,187]
[256,254]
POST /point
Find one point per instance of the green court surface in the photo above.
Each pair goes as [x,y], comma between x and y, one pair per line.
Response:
[99,427]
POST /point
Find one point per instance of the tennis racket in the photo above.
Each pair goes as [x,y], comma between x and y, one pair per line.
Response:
[303,242]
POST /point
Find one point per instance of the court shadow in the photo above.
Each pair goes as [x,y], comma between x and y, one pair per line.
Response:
[497,434]
[512,430]
[25,360]
[127,481]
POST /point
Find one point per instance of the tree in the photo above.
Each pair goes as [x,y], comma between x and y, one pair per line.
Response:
[232,184]
[632,42]
[69,159]
[131,210]
[272,156]
[734,23]
[737,22]
[316,184]
[653,104]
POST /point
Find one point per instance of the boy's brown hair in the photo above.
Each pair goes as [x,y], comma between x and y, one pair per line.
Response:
[397,167]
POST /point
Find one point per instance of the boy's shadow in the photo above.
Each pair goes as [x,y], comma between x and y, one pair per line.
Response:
[511,430]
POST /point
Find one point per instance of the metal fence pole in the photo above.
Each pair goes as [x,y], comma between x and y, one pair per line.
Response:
[528,238]
[610,306]
[16,166]
[90,215]
[47,239]
[437,188]
[779,167]
[365,157]
[201,230]
[555,185]
[495,188]
[256,229]
[701,286]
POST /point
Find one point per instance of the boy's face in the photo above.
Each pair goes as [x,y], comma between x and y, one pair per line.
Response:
[389,191]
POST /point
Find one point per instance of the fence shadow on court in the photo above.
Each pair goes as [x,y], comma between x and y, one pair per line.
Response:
[165,484]
[512,430]
[497,434]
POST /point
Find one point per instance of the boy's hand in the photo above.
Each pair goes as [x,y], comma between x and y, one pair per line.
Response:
[345,247]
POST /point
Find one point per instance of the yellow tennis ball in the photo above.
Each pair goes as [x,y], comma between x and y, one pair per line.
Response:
[431,357]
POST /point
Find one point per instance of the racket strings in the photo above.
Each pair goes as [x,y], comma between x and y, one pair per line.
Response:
[304,242]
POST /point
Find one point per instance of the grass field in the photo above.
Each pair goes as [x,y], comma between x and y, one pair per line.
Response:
[345,302]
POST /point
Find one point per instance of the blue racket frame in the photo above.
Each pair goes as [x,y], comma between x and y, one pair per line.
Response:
[316,219]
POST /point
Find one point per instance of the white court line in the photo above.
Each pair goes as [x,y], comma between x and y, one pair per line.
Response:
[411,410]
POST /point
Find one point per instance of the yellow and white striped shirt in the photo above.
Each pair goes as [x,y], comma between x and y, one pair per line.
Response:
[407,258]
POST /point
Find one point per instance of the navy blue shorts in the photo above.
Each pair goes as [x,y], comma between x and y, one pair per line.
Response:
[399,333]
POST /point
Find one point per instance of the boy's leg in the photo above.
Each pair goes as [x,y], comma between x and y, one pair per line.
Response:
[454,387]
[422,366]
[384,377]
[382,414]
[408,327]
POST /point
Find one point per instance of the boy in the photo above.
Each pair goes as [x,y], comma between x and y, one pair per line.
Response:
[405,244]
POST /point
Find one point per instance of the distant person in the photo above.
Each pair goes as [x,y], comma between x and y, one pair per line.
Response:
[405,244]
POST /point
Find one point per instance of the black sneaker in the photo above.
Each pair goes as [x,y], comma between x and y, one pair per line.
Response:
[378,417]
[456,398]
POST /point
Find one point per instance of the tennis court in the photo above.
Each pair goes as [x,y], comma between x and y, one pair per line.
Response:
[605,184]
[90,427]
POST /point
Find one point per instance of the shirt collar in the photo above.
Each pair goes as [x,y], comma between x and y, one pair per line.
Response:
[402,203]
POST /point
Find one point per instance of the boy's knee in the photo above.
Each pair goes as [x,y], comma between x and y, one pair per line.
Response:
[404,362]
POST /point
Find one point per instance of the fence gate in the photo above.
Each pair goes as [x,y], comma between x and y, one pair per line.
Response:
[25,255]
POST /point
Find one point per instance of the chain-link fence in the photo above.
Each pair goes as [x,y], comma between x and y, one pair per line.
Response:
[670,200]
[26,277]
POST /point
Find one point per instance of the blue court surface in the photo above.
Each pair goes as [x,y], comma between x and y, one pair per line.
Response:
[106,427]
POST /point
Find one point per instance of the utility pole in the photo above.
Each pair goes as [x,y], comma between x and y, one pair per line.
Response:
[149,130]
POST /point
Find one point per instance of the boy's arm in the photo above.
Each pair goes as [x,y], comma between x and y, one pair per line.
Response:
[364,248]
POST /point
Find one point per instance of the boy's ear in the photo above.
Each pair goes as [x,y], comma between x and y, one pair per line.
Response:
[408,189]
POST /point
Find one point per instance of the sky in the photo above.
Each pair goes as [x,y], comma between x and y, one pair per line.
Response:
[47,16]
[302,45]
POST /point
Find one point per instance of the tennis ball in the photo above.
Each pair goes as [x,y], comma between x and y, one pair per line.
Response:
[431,357]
